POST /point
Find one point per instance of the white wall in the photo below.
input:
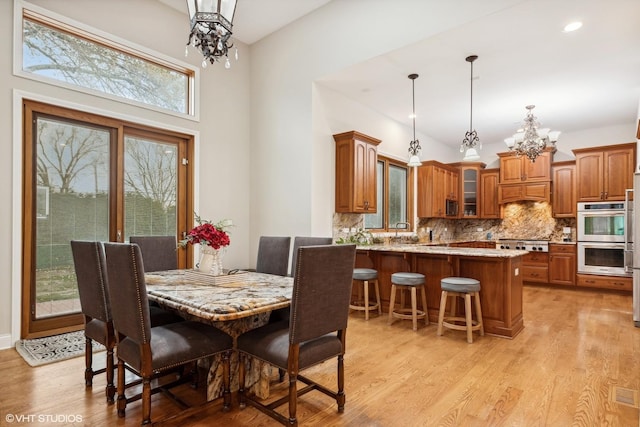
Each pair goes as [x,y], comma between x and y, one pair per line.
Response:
[292,166]
[222,135]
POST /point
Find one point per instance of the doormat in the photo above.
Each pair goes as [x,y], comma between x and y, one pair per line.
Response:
[41,351]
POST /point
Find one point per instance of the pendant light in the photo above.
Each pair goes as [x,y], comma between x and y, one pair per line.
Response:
[471,140]
[414,146]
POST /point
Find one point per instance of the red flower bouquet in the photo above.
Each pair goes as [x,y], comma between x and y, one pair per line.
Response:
[207,233]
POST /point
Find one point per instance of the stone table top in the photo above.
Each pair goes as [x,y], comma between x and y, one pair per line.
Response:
[419,248]
[219,298]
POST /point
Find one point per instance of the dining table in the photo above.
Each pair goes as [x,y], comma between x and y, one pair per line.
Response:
[233,303]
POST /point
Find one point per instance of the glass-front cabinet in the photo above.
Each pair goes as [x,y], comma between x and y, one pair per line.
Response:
[469,188]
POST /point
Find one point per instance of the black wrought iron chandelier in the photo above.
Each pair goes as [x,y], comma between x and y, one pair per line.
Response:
[531,141]
[211,25]
[414,146]
[471,140]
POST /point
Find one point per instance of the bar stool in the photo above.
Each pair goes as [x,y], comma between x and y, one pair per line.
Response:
[466,288]
[366,276]
[408,281]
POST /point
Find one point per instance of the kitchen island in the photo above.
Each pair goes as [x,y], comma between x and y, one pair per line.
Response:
[498,270]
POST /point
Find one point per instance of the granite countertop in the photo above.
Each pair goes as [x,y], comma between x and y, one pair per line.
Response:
[440,249]
[219,298]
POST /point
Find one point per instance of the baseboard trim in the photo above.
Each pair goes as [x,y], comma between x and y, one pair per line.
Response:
[6,342]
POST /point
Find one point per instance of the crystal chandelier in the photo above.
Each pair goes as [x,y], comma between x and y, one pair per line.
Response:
[414,146]
[471,140]
[531,141]
[211,24]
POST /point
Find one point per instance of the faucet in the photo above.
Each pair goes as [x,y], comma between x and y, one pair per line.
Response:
[399,223]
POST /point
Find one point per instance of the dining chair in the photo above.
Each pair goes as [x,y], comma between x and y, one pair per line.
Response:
[306,241]
[298,241]
[89,264]
[314,334]
[273,255]
[153,352]
[158,252]
[90,268]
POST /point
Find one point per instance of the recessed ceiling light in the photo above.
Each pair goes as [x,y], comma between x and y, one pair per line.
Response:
[572,26]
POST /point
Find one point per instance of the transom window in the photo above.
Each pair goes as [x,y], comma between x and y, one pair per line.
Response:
[394,197]
[60,52]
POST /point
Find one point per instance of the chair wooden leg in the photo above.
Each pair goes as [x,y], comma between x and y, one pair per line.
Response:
[122,399]
[377,289]
[365,285]
[110,389]
[146,401]
[292,371]
[226,381]
[443,307]
[424,305]
[242,402]
[467,315]
[340,396]
[414,308]
[88,361]
[392,302]
[479,313]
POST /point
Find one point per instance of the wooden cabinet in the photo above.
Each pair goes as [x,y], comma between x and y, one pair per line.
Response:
[535,267]
[356,176]
[515,170]
[437,183]
[537,192]
[562,264]
[452,184]
[605,282]
[522,179]
[469,190]
[563,193]
[489,206]
[604,173]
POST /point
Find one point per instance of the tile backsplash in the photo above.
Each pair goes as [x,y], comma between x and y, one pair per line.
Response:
[522,220]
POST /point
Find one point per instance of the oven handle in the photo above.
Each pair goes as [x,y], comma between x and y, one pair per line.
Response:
[628,245]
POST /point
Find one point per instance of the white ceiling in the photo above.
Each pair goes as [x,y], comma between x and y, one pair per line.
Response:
[585,79]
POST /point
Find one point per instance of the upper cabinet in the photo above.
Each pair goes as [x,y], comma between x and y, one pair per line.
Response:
[563,195]
[604,173]
[356,176]
[469,190]
[489,206]
[438,186]
[517,170]
[522,179]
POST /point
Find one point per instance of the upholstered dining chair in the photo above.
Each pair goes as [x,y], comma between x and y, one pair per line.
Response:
[154,352]
[306,241]
[89,263]
[273,255]
[298,241]
[91,274]
[158,252]
[314,333]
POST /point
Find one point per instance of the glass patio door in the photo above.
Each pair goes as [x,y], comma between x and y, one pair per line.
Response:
[89,178]
[150,185]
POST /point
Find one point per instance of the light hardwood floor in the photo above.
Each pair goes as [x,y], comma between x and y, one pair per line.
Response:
[577,359]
